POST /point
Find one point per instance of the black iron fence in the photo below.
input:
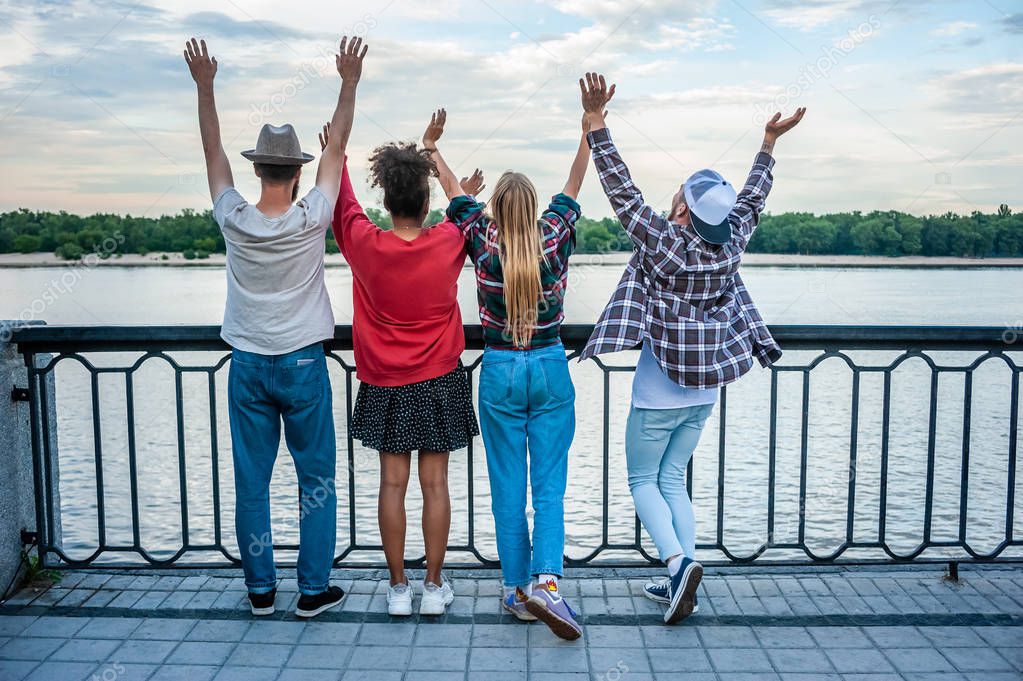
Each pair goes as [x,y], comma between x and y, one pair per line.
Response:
[779,517]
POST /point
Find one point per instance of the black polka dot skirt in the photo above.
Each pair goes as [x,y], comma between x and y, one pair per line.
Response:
[435,415]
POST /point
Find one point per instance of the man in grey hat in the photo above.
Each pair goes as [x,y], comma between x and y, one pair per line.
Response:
[682,303]
[276,319]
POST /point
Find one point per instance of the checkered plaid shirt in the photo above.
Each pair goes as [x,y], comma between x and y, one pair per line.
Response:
[679,293]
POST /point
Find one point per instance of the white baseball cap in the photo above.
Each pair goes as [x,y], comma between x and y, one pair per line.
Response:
[710,198]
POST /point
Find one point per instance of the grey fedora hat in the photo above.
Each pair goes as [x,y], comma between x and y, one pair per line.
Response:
[278,146]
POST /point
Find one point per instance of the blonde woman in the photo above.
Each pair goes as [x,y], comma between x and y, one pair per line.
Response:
[526,397]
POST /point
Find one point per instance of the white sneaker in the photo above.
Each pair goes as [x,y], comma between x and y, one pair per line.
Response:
[399,599]
[436,598]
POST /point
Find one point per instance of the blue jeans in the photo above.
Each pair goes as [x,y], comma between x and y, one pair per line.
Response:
[527,406]
[658,446]
[263,390]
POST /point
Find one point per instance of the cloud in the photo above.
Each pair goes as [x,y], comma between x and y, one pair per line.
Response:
[953,28]
[994,88]
[1013,23]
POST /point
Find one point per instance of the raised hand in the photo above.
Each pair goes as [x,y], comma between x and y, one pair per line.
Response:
[588,122]
[595,93]
[435,129]
[324,136]
[201,65]
[473,184]
[777,126]
[349,62]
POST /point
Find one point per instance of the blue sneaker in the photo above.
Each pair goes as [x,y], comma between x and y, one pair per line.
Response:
[550,608]
[682,591]
[657,591]
[517,608]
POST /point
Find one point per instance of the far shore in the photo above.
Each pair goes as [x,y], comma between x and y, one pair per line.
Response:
[16,260]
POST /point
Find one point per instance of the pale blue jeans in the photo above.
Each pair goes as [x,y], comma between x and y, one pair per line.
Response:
[658,446]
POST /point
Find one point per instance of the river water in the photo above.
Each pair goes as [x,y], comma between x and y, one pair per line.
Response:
[987,297]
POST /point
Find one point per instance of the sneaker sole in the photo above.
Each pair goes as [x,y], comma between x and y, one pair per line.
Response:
[684,602]
[402,612]
[432,610]
[561,628]
[262,612]
[306,614]
[518,614]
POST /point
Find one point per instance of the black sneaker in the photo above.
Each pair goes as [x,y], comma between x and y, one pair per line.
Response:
[262,604]
[311,606]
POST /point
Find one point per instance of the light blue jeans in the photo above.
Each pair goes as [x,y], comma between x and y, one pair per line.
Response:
[263,390]
[658,446]
[527,416]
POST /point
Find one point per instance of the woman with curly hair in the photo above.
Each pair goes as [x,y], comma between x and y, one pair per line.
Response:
[414,393]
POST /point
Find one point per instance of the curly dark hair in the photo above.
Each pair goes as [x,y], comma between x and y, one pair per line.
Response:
[403,171]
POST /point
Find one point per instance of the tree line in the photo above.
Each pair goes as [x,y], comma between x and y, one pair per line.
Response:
[887,233]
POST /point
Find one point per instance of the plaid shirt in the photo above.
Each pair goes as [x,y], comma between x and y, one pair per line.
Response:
[557,239]
[679,293]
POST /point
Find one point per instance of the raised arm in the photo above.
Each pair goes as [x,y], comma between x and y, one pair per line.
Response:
[349,67]
[582,155]
[203,68]
[640,221]
[751,200]
[448,180]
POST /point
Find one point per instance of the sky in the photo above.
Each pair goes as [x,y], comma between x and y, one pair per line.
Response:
[912,105]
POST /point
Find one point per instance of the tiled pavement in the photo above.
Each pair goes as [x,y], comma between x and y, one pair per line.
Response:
[800,626]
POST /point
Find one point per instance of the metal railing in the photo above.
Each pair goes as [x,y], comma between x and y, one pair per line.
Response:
[856,348]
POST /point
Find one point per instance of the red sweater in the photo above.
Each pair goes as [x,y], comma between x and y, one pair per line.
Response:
[407,325]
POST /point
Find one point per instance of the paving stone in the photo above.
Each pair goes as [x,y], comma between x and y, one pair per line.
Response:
[728,637]
[11,625]
[85,650]
[379,657]
[163,629]
[497,676]
[218,630]
[144,651]
[953,637]
[439,659]
[30,648]
[784,637]
[205,653]
[1013,655]
[976,660]
[897,637]
[387,634]
[444,635]
[185,673]
[859,661]
[247,674]
[126,599]
[319,657]
[274,632]
[309,675]
[605,660]
[615,636]
[374,675]
[563,659]
[739,660]
[1001,636]
[16,670]
[840,637]
[331,633]
[56,627]
[671,660]
[69,671]
[795,660]
[670,637]
[177,600]
[499,635]
[918,660]
[497,659]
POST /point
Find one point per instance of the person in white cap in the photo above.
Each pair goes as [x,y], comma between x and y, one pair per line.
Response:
[276,320]
[682,301]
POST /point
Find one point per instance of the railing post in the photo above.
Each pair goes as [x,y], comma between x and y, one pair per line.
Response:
[18,509]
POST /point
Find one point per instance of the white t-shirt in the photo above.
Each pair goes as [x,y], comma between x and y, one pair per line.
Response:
[277,301]
[652,389]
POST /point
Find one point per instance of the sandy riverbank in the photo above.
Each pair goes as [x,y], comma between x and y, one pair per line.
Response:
[615,259]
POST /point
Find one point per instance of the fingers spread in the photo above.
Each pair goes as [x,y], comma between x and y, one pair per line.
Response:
[344,41]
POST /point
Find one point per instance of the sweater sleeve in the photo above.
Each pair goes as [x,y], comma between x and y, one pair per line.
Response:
[350,221]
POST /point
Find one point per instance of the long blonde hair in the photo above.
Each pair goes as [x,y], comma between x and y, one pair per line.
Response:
[514,209]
